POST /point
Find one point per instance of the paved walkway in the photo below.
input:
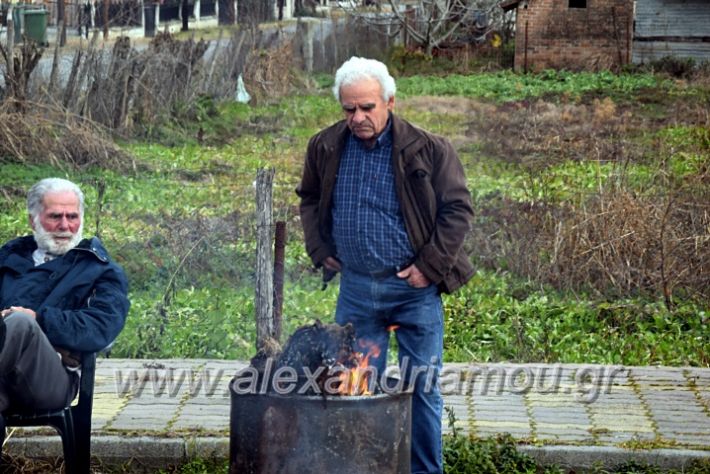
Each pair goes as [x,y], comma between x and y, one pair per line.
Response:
[159,411]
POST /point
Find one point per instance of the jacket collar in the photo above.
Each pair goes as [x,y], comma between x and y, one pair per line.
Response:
[406,138]
[93,246]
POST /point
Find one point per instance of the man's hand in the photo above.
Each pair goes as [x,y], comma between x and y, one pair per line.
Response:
[414,277]
[18,309]
[332,264]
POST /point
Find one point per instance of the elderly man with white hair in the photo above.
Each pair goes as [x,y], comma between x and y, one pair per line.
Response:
[386,204]
[60,295]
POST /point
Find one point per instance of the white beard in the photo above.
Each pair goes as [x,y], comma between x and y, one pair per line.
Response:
[45,240]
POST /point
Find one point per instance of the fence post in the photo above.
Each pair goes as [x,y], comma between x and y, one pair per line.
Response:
[11,39]
[264,258]
[107,3]
[305,30]
[61,20]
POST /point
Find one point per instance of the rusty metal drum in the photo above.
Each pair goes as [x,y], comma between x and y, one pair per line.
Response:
[271,433]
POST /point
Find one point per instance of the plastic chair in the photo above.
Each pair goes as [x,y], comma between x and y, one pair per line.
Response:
[73,422]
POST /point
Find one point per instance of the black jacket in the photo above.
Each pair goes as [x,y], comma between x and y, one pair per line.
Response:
[80,298]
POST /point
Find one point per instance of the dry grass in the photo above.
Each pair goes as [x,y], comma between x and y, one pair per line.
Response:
[616,244]
[15,465]
[46,134]
[271,72]
[633,244]
[541,133]
[615,239]
[68,119]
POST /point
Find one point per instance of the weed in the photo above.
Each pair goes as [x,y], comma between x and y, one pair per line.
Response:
[199,466]
[465,454]
[559,176]
[674,66]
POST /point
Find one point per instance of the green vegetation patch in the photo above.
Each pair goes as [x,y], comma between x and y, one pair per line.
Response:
[536,149]
[508,86]
[499,318]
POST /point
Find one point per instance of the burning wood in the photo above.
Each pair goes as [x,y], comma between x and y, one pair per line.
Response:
[287,417]
[324,355]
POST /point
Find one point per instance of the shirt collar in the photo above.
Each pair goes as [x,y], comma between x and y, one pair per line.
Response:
[41,256]
[385,137]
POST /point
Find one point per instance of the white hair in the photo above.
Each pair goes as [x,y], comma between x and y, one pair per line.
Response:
[356,69]
[37,192]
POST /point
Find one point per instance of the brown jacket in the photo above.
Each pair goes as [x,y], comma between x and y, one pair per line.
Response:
[431,187]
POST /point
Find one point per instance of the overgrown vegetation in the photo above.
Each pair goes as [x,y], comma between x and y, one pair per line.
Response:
[591,195]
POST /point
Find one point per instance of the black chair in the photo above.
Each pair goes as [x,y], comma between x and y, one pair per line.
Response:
[73,422]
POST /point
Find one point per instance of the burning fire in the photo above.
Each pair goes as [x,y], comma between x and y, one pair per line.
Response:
[356,380]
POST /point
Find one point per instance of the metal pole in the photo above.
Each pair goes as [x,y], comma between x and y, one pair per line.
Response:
[279,257]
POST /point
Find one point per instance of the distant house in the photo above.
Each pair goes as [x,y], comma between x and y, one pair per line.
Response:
[606,34]
[572,34]
[678,28]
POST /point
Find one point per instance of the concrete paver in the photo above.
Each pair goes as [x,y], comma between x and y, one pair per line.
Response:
[164,410]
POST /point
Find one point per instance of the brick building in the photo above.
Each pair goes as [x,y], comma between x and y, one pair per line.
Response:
[572,34]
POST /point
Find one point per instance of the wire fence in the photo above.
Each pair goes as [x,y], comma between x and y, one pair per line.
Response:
[186,236]
[118,13]
[189,249]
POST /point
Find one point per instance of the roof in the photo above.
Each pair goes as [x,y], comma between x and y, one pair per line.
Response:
[508,5]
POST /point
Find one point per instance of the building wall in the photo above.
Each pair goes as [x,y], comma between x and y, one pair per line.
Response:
[550,35]
[678,28]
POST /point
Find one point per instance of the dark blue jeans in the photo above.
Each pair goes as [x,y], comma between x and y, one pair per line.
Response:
[374,305]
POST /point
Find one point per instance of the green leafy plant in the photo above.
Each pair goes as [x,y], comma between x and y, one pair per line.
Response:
[536,148]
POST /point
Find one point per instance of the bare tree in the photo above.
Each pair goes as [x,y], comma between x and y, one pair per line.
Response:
[429,24]
[18,66]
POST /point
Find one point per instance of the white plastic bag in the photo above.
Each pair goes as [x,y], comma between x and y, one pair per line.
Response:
[242,94]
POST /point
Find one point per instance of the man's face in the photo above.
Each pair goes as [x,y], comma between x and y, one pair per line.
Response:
[366,112]
[58,226]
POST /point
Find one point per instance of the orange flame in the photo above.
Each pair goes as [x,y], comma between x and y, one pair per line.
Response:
[356,380]
[392,328]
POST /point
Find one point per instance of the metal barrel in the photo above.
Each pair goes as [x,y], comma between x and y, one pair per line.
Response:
[291,434]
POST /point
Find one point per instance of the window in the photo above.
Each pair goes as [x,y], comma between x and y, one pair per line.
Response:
[578,3]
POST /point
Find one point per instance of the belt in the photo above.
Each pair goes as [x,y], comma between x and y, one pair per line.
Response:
[389,271]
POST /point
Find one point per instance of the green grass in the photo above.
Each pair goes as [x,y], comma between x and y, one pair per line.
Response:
[182,226]
[499,318]
[508,86]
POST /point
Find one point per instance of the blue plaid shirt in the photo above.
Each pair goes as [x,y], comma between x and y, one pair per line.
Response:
[368,227]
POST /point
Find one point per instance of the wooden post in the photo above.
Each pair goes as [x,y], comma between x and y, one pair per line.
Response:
[184,16]
[525,51]
[305,29]
[106,6]
[11,40]
[264,258]
[61,19]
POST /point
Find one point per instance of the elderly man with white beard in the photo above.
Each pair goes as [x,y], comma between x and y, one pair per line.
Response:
[60,296]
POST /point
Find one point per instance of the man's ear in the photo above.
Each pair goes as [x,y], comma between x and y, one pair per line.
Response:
[390,104]
[32,221]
